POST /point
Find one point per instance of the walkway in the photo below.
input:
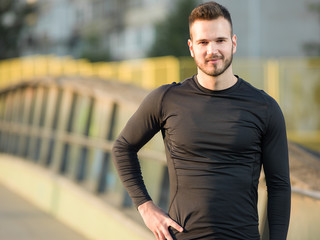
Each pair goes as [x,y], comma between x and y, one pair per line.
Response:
[22,220]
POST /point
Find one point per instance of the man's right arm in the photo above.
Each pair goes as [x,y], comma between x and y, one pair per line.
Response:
[141,127]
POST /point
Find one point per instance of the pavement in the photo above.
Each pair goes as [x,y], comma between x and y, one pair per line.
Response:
[20,220]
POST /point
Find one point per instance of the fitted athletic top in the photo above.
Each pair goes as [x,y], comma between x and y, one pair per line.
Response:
[215,143]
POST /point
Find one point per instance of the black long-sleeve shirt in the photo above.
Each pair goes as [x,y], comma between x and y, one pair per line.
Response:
[215,143]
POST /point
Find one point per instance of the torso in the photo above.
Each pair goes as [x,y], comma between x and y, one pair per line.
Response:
[213,141]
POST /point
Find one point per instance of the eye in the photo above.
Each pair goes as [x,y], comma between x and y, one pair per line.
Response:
[222,40]
[203,43]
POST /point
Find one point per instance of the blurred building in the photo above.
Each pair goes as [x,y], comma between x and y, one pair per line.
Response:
[56,28]
[124,29]
[121,28]
[275,28]
[129,25]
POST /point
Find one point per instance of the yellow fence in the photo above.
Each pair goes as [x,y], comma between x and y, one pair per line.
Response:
[294,83]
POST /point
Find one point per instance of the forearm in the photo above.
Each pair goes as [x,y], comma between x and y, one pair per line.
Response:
[279,204]
[127,164]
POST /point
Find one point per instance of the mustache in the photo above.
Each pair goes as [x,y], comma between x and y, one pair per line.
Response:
[213,57]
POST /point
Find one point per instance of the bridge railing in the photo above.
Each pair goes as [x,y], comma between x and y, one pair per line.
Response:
[294,83]
[69,125]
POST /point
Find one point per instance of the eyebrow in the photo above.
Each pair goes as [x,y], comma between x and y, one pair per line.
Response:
[202,40]
[205,40]
[222,38]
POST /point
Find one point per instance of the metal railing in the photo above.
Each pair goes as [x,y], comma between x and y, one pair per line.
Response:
[68,126]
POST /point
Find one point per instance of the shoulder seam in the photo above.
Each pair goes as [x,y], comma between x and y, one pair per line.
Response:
[169,86]
[266,98]
[268,105]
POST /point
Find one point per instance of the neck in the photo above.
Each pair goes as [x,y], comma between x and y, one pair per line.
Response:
[221,82]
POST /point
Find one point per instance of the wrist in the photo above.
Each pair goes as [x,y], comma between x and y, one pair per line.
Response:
[142,208]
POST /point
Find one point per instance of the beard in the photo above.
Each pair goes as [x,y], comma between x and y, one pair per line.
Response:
[216,71]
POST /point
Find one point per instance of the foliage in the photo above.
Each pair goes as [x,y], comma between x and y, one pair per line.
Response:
[313,48]
[92,48]
[172,34]
[13,19]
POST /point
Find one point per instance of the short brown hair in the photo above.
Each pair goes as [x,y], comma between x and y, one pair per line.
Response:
[209,11]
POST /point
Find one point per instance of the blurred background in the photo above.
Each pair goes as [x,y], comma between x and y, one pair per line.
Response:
[109,30]
[73,71]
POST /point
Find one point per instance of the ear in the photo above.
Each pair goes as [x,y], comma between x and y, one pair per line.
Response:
[190,47]
[234,43]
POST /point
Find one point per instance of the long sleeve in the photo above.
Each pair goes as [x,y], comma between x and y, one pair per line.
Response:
[140,128]
[276,168]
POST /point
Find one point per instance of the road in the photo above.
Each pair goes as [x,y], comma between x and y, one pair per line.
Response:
[20,220]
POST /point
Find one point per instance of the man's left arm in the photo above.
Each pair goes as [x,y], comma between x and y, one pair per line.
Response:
[276,167]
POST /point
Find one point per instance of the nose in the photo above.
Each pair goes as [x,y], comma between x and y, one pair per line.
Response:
[211,48]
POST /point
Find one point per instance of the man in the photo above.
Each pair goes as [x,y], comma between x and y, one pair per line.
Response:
[218,131]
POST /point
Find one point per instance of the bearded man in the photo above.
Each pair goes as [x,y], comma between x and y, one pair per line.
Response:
[218,131]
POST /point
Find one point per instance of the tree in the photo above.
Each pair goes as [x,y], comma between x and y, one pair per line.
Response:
[13,18]
[92,48]
[313,48]
[172,34]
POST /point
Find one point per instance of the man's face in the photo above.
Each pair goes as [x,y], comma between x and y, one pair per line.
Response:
[212,45]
